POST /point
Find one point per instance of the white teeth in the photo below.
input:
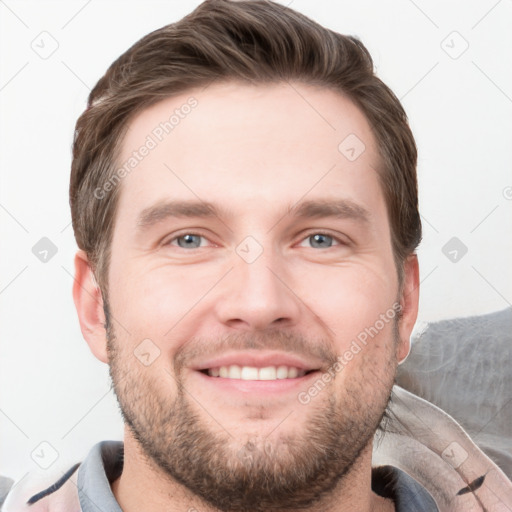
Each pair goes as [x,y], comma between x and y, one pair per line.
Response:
[235,372]
[268,373]
[282,372]
[252,373]
[292,373]
[248,373]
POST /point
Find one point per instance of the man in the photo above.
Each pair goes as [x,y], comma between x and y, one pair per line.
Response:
[244,197]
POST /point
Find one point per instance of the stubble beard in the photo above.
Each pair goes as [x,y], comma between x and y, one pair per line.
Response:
[284,471]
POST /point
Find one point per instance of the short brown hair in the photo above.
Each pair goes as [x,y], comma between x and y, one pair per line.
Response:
[254,41]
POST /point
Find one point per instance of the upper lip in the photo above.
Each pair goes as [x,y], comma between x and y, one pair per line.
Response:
[259,359]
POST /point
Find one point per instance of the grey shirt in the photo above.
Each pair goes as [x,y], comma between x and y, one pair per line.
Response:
[104,464]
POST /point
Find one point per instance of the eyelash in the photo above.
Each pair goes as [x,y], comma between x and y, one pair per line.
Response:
[339,241]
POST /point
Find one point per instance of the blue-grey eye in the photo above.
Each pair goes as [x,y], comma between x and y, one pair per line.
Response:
[189,241]
[320,240]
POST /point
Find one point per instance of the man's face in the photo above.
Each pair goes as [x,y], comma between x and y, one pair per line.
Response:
[271,280]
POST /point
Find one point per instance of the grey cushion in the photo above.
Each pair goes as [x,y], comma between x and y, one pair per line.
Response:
[464,366]
[5,485]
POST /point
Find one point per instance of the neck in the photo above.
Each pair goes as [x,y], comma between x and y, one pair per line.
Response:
[353,491]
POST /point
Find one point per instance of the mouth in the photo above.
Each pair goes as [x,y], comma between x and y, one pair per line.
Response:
[266,382]
[254,373]
[251,373]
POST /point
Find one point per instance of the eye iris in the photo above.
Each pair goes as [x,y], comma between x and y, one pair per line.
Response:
[189,241]
[318,239]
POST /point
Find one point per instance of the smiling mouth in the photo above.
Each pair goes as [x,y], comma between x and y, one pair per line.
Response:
[237,372]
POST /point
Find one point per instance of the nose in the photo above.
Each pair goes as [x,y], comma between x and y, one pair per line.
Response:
[258,295]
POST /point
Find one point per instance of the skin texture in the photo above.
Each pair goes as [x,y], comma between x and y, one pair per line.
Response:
[254,152]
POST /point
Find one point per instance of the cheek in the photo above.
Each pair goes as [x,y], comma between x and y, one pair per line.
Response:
[357,306]
[151,301]
[349,298]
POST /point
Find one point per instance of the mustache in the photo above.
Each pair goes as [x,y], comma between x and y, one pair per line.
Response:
[294,343]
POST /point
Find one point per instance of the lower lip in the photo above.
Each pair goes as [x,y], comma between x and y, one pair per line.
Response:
[258,386]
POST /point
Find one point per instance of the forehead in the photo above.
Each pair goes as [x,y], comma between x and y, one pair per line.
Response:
[249,145]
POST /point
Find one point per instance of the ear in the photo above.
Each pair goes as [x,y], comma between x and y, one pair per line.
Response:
[89,306]
[409,300]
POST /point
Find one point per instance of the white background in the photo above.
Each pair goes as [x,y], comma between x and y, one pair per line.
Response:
[51,387]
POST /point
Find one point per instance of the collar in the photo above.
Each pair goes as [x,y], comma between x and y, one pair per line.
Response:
[104,464]
[101,467]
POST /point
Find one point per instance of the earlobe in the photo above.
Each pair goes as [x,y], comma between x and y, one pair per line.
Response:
[409,301]
[89,306]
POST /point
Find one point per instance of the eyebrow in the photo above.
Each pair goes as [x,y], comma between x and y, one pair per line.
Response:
[313,209]
[339,208]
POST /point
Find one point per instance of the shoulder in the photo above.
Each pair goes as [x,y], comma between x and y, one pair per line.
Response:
[64,489]
[35,494]
[430,447]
